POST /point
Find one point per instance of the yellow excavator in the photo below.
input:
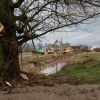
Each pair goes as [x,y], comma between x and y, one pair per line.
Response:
[66,50]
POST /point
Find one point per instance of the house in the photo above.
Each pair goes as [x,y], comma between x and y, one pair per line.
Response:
[76,48]
[82,48]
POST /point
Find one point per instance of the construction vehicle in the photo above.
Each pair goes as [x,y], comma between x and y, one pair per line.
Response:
[67,50]
[52,48]
[50,51]
[39,51]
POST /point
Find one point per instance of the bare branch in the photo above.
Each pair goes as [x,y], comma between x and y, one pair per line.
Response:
[18,4]
[39,18]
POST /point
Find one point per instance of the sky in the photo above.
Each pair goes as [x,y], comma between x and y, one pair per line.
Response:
[87,34]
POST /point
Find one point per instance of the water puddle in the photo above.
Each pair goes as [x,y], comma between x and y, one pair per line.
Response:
[53,69]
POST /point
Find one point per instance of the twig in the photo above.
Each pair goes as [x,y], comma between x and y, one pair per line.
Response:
[36,52]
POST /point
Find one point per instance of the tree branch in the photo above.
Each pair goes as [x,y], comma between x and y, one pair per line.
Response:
[91,3]
[37,12]
[38,24]
[74,23]
[25,38]
[29,37]
[17,4]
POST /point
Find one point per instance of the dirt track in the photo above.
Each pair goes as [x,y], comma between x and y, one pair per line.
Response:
[58,92]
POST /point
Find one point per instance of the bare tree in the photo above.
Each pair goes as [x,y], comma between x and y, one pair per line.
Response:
[24,20]
[39,45]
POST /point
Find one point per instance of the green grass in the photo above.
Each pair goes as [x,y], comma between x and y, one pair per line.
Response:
[85,69]
[26,53]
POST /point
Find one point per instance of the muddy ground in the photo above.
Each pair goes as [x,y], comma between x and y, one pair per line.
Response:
[57,92]
[35,89]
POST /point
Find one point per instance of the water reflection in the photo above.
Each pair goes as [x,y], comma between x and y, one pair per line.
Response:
[53,69]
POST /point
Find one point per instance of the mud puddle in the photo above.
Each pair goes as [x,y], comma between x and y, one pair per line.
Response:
[53,69]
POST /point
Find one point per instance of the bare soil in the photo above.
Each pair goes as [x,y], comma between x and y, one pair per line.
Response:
[36,89]
[57,92]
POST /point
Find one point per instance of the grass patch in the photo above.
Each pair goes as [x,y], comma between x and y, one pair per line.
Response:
[26,53]
[85,69]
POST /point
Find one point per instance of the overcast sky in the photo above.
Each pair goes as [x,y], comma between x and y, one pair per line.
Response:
[89,34]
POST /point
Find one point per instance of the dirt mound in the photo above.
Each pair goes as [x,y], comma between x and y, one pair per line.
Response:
[57,92]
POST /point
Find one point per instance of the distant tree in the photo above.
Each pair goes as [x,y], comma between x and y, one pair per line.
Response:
[96,49]
[27,47]
[39,46]
[56,46]
[24,20]
[84,48]
[48,45]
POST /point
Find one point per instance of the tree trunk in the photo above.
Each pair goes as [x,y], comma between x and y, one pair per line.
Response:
[1,58]
[9,65]
[9,62]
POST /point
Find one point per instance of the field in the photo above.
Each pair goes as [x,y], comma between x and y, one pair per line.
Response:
[79,79]
[83,69]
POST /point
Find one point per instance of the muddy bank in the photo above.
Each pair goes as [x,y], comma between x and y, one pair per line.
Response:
[57,92]
[44,62]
